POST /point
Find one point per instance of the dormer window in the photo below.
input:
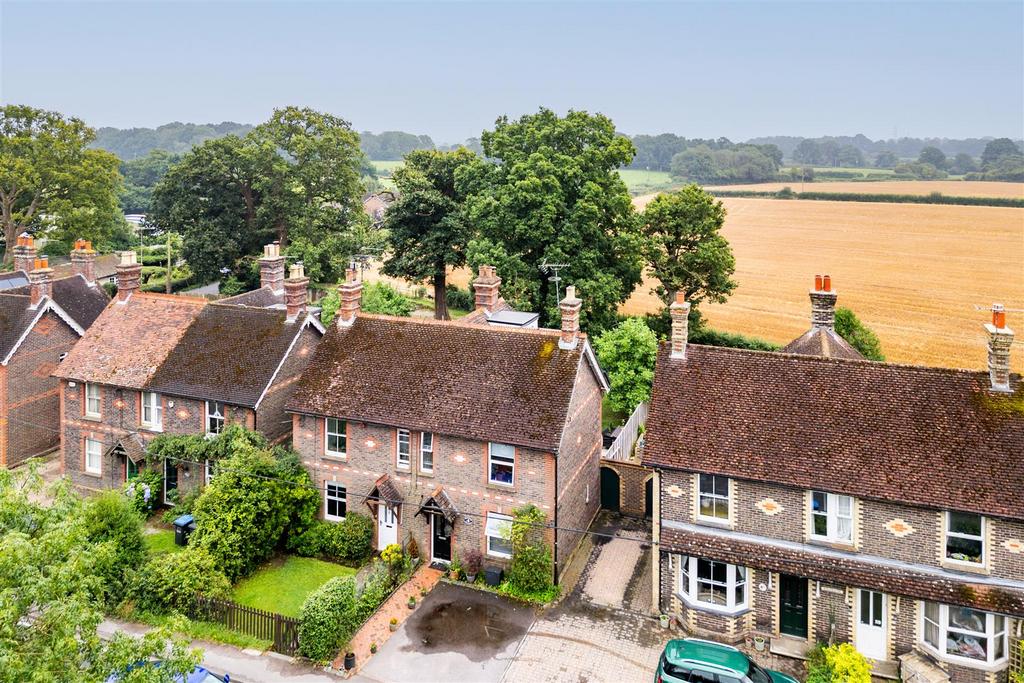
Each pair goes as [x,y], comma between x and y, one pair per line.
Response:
[965,537]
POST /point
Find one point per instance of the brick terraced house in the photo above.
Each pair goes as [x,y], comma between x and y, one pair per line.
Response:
[157,363]
[803,498]
[41,318]
[441,429]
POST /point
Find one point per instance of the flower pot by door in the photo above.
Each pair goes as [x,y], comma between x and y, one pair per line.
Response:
[350,661]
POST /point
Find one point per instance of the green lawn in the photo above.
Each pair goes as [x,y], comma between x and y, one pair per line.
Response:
[161,542]
[386,167]
[639,181]
[282,585]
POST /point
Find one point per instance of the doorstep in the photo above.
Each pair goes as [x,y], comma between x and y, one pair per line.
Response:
[886,669]
[790,646]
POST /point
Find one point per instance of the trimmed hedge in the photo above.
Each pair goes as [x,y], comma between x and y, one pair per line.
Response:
[330,616]
[934,198]
[349,541]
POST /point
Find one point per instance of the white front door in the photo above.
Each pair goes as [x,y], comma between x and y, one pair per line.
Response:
[387,526]
[871,624]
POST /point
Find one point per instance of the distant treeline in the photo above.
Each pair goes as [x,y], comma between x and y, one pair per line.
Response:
[176,138]
[933,198]
[393,145]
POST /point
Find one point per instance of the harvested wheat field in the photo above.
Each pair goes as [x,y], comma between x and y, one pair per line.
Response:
[951,188]
[912,272]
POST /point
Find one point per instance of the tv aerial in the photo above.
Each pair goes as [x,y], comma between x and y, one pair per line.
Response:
[553,268]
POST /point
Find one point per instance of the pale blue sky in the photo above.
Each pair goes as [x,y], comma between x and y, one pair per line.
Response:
[702,70]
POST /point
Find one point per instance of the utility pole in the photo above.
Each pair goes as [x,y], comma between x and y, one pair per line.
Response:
[167,285]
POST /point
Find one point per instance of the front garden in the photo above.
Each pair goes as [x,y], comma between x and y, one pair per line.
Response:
[283,584]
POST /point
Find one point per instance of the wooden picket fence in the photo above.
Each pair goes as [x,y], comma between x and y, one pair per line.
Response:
[282,631]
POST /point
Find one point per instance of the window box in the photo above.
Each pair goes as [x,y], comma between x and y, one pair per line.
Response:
[965,538]
[498,532]
[831,517]
[501,464]
[963,635]
[712,586]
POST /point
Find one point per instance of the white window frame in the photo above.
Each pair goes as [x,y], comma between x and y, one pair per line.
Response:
[342,497]
[94,448]
[155,405]
[98,398]
[218,415]
[341,433]
[403,437]
[207,472]
[502,459]
[494,528]
[715,498]
[991,635]
[736,576]
[424,450]
[832,515]
[956,534]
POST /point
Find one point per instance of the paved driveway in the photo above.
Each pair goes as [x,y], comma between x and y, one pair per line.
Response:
[457,635]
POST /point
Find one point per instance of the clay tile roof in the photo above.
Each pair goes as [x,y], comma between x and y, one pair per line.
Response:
[263,297]
[485,383]
[74,295]
[15,319]
[922,436]
[820,341]
[129,341]
[130,445]
[384,490]
[228,353]
[439,502]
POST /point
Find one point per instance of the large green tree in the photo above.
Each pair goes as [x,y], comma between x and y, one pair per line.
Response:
[627,353]
[426,226]
[141,176]
[997,149]
[549,192]
[860,337]
[294,178]
[685,249]
[50,181]
[934,156]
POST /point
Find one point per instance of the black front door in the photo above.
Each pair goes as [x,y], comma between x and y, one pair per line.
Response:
[170,481]
[793,605]
[649,498]
[609,489]
[441,539]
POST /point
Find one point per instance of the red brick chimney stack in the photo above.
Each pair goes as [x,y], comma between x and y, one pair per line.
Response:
[486,287]
[350,293]
[128,273]
[25,253]
[1000,338]
[40,281]
[272,267]
[83,259]
[823,303]
[570,308]
[680,313]
[295,292]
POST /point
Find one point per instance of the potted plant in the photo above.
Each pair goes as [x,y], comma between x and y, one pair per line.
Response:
[455,568]
[412,601]
[393,624]
[759,643]
[471,563]
[350,661]
[373,648]
[423,592]
[664,620]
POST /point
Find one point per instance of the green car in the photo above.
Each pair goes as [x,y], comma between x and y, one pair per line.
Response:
[692,660]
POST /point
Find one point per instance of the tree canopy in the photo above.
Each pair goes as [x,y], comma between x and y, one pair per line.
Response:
[549,192]
[860,337]
[426,226]
[627,353]
[685,248]
[50,181]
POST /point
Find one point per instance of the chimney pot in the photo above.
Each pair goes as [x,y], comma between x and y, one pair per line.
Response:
[680,313]
[83,260]
[272,267]
[129,271]
[1000,339]
[24,253]
[823,303]
[826,283]
[817,283]
[486,288]
[40,281]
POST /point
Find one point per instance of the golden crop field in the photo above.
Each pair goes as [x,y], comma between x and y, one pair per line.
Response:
[912,272]
[952,188]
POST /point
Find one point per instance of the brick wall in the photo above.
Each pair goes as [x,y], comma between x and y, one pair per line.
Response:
[460,466]
[31,395]
[632,486]
[578,465]
[677,495]
[271,417]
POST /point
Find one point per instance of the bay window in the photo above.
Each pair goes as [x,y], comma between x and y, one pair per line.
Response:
[501,464]
[713,497]
[717,586]
[965,537]
[152,411]
[498,532]
[831,516]
[963,634]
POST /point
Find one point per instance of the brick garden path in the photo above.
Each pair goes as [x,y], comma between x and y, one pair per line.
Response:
[376,629]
